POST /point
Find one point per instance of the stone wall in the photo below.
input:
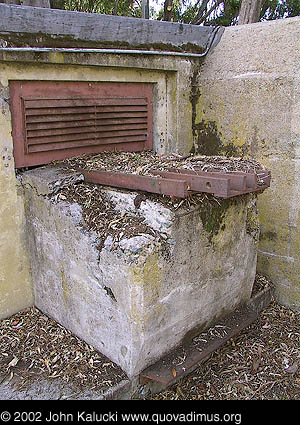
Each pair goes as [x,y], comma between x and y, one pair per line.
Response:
[247,103]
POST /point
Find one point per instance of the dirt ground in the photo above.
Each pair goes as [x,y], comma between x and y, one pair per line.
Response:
[261,363]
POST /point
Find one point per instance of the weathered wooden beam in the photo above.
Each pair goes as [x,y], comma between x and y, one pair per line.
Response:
[101,30]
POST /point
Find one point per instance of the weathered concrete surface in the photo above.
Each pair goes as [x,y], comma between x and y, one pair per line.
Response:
[170,77]
[172,130]
[47,389]
[136,298]
[246,102]
[15,281]
[55,26]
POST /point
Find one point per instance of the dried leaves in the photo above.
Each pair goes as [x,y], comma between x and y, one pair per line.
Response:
[101,215]
[33,345]
[261,363]
[144,163]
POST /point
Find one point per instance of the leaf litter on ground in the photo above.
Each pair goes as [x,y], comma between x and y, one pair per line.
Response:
[32,346]
[262,362]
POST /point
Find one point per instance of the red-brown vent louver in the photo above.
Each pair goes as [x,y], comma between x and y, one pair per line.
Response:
[56,120]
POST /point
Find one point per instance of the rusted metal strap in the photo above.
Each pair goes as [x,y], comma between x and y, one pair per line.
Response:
[239,180]
[175,188]
[215,185]
[236,181]
[180,183]
[223,185]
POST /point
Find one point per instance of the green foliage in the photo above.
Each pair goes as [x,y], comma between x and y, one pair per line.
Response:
[201,12]
[226,12]
[229,14]
[205,12]
[107,7]
[275,9]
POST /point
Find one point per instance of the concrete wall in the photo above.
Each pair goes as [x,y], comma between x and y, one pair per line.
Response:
[247,103]
[172,132]
[15,281]
[27,26]
[241,100]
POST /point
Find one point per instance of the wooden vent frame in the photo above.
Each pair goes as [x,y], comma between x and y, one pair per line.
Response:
[54,120]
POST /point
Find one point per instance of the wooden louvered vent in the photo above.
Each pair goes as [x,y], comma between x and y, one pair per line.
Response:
[56,120]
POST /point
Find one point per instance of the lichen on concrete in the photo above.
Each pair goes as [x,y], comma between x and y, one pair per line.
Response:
[138,295]
[248,98]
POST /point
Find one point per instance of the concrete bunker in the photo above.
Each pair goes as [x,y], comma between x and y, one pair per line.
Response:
[160,269]
[134,273]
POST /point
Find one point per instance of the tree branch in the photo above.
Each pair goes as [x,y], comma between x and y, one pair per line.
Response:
[116,7]
[214,7]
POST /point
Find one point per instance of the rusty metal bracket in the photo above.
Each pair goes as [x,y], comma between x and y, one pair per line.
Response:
[199,183]
[180,183]
[175,188]
[223,185]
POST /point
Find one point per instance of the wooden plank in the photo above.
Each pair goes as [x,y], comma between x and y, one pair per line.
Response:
[107,29]
[171,187]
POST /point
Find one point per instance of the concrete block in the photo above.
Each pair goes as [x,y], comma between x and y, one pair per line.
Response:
[136,296]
